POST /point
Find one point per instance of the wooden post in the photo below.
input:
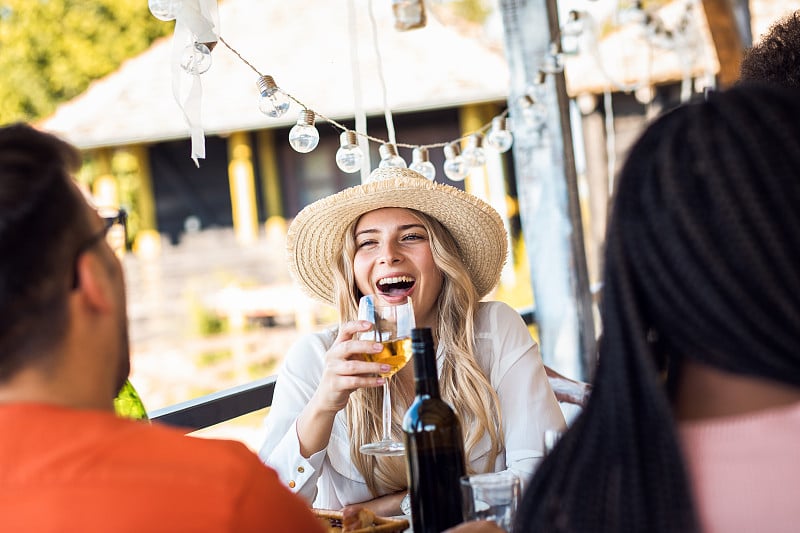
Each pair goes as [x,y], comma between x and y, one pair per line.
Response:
[547,187]
[730,36]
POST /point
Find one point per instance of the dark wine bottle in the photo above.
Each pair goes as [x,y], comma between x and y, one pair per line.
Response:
[434,446]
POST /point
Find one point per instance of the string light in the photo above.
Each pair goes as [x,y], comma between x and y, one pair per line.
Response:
[271,100]
[499,138]
[553,60]
[580,33]
[165,10]
[421,164]
[304,136]
[534,112]
[274,101]
[455,168]
[572,30]
[349,156]
[507,138]
[408,14]
[474,155]
[389,157]
[196,58]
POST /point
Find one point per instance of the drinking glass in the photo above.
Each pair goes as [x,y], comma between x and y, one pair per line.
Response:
[392,325]
[494,497]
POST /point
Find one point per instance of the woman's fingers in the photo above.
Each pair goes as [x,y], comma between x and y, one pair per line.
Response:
[348,330]
[348,355]
[346,368]
[356,367]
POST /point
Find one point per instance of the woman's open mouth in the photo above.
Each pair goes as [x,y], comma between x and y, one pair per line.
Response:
[396,285]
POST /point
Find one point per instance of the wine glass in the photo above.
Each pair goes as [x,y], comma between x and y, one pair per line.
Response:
[392,325]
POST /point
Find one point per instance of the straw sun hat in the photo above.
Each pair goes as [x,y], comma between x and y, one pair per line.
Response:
[316,235]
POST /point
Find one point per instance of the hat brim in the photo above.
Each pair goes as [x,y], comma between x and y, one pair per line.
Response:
[316,235]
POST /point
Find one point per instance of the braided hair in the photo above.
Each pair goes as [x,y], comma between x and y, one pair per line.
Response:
[701,263]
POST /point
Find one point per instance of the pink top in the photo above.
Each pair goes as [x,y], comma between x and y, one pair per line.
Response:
[746,470]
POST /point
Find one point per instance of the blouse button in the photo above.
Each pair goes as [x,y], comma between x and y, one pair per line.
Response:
[301,469]
[291,484]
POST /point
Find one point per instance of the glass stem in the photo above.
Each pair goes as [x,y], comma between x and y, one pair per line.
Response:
[387,411]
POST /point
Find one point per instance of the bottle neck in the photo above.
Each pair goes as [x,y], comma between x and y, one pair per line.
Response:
[426,379]
[427,387]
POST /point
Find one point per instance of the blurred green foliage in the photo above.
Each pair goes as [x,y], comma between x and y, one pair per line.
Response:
[50,50]
[205,322]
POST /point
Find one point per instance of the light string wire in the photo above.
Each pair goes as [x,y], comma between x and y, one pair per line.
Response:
[342,127]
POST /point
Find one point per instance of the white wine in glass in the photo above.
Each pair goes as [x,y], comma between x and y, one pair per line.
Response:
[392,325]
[396,353]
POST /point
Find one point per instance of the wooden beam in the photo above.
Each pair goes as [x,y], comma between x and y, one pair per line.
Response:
[727,38]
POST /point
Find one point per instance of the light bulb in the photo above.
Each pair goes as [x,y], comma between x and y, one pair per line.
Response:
[196,58]
[553,61]
[165,9]
[389,157]
[303,136]
[408,14]
[534,112]
[421,164]
[271,100]
[349,156]
[474,155]
[571,32]
[499,138]
[632,13]
[455,168]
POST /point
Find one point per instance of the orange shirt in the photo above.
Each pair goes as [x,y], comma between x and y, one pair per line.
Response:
[89,471]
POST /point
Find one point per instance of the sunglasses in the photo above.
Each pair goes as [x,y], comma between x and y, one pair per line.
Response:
[115,231]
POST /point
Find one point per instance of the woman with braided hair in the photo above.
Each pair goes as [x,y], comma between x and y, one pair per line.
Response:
[694,419]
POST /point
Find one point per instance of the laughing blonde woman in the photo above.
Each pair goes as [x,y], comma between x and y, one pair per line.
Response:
[445,248]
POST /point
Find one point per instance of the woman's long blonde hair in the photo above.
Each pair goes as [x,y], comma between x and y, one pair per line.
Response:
[462,382]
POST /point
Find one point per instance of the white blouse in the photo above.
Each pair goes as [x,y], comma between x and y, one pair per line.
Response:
[328,479]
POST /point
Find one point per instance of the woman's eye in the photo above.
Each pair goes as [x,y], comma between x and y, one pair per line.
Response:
[413,237]
[364,243]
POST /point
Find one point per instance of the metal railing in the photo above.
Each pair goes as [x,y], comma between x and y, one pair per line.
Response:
[218,406]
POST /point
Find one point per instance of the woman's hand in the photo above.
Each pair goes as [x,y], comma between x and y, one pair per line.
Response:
[388,505]
[345,371]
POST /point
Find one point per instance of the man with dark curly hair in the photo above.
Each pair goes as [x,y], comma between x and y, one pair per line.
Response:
[775,58]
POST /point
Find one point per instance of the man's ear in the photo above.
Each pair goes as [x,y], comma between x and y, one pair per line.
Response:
[93,282]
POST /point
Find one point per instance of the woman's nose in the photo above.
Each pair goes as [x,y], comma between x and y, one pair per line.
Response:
[389,254]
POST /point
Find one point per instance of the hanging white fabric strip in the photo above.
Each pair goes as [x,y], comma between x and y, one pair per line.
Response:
[197,22]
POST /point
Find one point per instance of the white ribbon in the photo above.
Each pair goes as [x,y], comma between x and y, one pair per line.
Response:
[197,22]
